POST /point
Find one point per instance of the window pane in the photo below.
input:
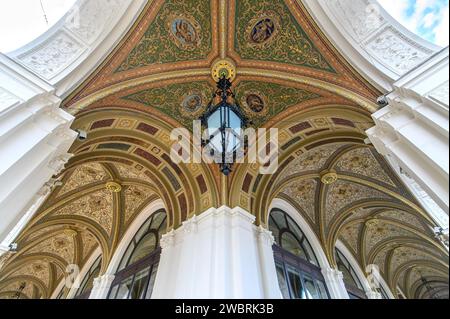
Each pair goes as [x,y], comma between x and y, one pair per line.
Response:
[356,279]
[295,229]
[311,256]
[291,244]
[141,232]
[282,281]
[112,294]
[279,218]
[126,257]
[322,290]
[163,228]
[90,283]
[310,287]
[295,284]
[157,220]
[350,277]
[140,283]
[146,246]
[151,282]
[124,288]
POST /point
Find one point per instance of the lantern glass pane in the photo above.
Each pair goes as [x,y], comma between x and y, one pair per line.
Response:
[232,135]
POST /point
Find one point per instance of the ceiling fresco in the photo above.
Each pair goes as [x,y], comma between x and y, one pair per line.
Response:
[288,76]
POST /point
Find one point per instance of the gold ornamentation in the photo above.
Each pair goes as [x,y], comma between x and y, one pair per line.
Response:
[71,233]
[223,68]
[113,187]
[329,177]
[372,222]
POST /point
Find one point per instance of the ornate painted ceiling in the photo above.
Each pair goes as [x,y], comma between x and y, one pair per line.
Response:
[287,76]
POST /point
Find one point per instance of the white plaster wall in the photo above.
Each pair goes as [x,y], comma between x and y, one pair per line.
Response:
[378,46]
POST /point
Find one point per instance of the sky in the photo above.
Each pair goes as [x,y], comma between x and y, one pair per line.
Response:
[427,18]
[21,21]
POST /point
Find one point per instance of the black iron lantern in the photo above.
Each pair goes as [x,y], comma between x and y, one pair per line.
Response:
[225,124]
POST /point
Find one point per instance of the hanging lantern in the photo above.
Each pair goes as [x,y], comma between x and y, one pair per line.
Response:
[225,124]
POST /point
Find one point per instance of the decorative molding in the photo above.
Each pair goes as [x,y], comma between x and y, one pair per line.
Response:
[7,99]
[396,51]
[86,21]
[52,56]
[58,163]
[441,94]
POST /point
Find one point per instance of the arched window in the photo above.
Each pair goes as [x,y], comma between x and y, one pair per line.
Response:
[352,283]
[298,271]
[88,281]
[383,293]
[136,274]
[60,295]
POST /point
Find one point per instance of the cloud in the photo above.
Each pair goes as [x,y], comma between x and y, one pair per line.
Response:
[427,18]
[442,29]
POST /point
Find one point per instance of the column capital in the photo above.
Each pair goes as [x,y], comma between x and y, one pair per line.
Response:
[335,283]
[168,240]
[332,274]
[191,225]
[265,235]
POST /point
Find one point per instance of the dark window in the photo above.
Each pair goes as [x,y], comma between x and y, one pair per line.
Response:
[299,275]
[137,269]
[352,283]
[383,293]
[88,281]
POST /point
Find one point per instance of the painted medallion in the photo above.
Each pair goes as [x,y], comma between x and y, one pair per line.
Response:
[185,32]
[263,31]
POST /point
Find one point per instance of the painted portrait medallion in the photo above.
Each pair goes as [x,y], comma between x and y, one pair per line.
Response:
[185,32]
[192,103]
[263,29]
[255,103]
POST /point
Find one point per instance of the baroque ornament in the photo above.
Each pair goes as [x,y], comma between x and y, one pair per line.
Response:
[113,187]
[223,68]
[329,177]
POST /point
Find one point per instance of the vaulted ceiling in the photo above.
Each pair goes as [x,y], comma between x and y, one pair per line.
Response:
[287,76]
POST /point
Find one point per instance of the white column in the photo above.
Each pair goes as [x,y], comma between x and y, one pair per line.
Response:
[35,137]
[334,280]
[413,130]
[220,254]
[101,288]
[266,260]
